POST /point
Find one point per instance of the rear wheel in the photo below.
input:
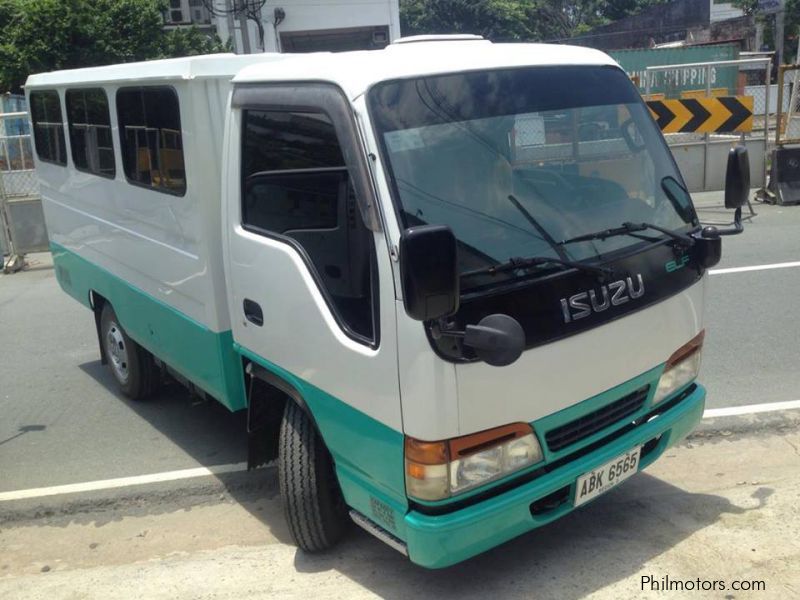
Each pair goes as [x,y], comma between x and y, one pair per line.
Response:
[131,365]
[312,499]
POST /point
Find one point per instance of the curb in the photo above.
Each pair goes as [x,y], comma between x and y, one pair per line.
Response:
[767,422]
[114,504]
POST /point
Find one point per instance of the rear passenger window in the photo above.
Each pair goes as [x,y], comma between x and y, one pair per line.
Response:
[150,136]
[90,132]
[48,127]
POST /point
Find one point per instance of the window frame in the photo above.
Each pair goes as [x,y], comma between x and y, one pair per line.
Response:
[160,189]
[110,125]
[33,127]
[313,97]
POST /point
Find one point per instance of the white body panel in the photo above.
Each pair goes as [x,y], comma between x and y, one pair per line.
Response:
[554,376]
[166,245]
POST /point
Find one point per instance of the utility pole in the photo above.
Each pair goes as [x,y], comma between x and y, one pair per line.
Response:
[242,11]
[779,31]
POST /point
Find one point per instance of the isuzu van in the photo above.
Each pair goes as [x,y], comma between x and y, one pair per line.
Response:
[457,286]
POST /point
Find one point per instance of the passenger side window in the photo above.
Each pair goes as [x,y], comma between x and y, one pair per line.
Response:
[90,132]
[295,184]
[151,140]
[48,127]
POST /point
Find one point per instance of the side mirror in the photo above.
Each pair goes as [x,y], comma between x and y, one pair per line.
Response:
[429,272]
[498,340]
[737,187]
[737,178]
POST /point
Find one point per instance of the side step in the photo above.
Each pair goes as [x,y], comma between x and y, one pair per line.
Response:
[379,532]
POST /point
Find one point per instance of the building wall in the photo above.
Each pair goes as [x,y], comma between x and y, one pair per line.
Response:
[661,23]
[306,16]
[722,10]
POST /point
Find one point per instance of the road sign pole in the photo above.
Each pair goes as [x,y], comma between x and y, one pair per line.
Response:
[707,136]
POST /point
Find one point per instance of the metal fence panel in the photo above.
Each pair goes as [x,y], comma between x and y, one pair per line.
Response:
[21,216]
[787,129]
[26,220]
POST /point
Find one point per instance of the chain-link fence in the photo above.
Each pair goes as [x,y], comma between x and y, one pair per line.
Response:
[787,129]
[16,156]
[22,227]
[705,108]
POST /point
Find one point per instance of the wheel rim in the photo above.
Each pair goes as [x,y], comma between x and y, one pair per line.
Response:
[117,352]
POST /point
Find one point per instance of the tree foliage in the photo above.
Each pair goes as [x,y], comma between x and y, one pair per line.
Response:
[46,35]
[505,20]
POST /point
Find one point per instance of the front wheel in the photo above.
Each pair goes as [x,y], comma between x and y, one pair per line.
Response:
[312,500]
[131,365]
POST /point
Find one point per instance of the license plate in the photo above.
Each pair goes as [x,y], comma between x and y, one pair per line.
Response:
[602,479]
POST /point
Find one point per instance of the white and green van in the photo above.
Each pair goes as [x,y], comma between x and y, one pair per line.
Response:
[457,286]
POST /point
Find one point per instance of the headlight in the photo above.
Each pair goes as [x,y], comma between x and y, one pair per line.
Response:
[438,470]
[682,367]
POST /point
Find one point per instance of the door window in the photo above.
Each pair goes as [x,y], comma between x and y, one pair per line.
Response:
[296,186]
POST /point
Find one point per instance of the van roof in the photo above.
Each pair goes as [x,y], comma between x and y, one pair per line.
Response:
[354,71]
[170,69]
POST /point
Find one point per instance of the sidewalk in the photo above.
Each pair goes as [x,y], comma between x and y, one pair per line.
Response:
[720,508]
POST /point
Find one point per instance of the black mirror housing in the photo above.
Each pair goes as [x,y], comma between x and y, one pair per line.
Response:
[498,340]
[429,272]
[707,247]
[737,178]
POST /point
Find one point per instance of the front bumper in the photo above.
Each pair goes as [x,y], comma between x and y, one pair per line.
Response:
[442,540]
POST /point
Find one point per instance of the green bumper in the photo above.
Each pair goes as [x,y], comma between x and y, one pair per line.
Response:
[443,540]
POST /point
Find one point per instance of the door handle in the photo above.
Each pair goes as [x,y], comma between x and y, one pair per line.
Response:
[253,312]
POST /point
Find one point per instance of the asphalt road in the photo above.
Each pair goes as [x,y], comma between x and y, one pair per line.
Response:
[726,522]
[751,349]
[62,421]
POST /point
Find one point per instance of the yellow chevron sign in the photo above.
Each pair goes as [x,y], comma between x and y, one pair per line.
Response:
[723,114]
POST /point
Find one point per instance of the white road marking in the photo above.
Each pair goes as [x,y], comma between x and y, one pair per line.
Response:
[785,265]
[108,484]
[750,409]
[120,482]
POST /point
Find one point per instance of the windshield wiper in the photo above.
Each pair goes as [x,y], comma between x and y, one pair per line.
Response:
[516,263]
[542,231]
[629,229]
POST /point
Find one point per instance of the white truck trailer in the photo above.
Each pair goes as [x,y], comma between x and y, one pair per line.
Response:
[458,286]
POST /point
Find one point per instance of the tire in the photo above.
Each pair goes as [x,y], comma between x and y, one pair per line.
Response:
[313,503]
[131,365]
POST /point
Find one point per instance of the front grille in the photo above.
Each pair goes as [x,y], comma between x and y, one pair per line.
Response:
[584,426]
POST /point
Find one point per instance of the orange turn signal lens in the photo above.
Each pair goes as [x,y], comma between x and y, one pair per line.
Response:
[685,351]
[426,453]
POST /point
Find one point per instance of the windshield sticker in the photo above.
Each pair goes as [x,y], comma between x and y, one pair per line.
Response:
[406,139]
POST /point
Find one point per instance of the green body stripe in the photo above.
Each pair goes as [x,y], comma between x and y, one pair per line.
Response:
[368,454]
[204,357]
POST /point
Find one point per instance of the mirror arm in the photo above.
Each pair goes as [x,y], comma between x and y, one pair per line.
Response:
[441,328]
[472,336]
[737,228]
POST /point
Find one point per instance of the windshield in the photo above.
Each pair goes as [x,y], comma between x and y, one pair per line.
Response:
[517,161]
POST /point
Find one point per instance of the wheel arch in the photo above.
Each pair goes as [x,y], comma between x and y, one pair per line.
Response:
[267,395]
[97,302]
